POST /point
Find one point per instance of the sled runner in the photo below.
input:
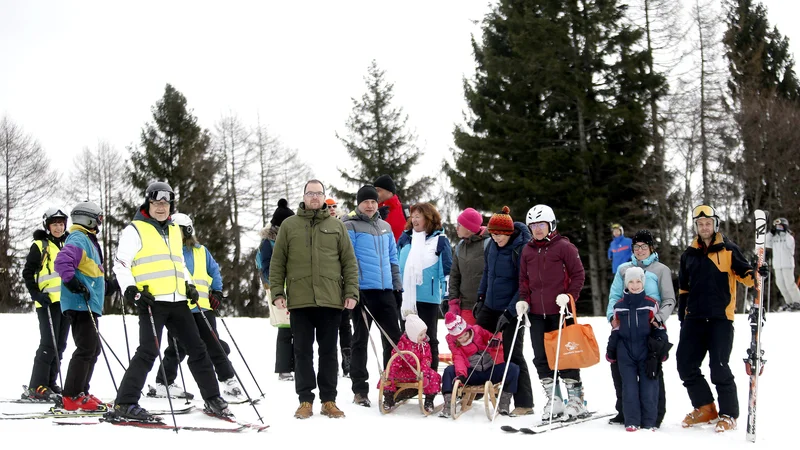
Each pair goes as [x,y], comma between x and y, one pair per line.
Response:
[464,395]
[404,390]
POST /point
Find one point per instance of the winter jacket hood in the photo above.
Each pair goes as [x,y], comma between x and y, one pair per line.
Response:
[500,280]
[549,268]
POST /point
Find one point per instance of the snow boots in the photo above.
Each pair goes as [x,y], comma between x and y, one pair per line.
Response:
[725,423]
[575,405]
[504,405]
[362,400]
[446,407]
[304,411]
[704,414]
[83,402]
[286,376]
[41,394]
[331,410]
[231,387]
[428,403]
[218,407]
[175,391]
[552,401]
[130,412]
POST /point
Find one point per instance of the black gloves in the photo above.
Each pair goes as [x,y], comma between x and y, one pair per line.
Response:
[141,299]
[42,297]
[462,379]
[652,366]
[398,298]
[75,286]
[214,299]
[191,293]
[763,270]
[503,320]
[112,286]
[478,306]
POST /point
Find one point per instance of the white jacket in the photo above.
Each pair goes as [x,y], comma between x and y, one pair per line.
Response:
[129,245]
[782,245]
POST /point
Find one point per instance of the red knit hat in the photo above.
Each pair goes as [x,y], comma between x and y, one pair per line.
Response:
[502,223]
[471,220]
[455,324]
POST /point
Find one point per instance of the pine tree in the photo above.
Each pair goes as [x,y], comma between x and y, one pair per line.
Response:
[558,118]
[379,143]
[175,149]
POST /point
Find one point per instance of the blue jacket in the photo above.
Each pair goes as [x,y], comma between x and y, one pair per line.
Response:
[629,340]
[211,267]
[435,290]
[81,258]
[376,251]
[266,256]
[657,285]
[500,281]
[619,252]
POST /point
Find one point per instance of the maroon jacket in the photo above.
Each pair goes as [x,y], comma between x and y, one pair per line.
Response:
[549,268]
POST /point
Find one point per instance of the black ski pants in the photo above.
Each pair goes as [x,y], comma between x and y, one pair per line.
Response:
[219,356]
[324,324]
[381,304]
[541,324]
[487,319]
[429,313]
[284,351]
[177,317]
[84,358]
[715,338]
[662,395]
[47,359]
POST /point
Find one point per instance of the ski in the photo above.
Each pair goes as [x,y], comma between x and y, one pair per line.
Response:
[62,413]
[555,425]
[754,363]
[232,419]
[159,426]
[242,401]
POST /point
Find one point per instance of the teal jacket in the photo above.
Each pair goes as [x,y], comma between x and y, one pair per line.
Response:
[81,258]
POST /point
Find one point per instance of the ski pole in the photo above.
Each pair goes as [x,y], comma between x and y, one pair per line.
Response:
[240,354]
[222,349]
[97,330]
[389,339]
[180,369]
[55,344]
[372,343]
[146,288]
[124,325]
[558,353]
[112,352]
[518,326]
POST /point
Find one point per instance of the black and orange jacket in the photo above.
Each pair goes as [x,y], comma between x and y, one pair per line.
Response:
[708,277]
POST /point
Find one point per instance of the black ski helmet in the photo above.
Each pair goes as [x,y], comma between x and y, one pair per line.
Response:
[158,191]
[646,237]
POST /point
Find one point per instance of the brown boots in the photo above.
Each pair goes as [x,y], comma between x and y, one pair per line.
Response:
[304,411]
[329,409]
[702,415]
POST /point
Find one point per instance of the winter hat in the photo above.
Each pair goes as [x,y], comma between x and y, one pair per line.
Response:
[634,273]
[281,213]
[330,202]
[502,223]
[367,192]
[386,182]
[456,325]
[414,326]
[471,220]
[644,236]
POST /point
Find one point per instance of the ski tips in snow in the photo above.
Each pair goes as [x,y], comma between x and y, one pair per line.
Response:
[544,427]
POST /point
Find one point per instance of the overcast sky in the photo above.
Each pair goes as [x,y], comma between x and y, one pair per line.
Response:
[75,72]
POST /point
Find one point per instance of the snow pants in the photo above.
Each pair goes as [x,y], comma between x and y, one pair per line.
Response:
[84,358]
[381,304]
[219,356]
[487,319]
[322,323]
[639,393]
[47,359]
[284,351]
[477,378]
[784,278]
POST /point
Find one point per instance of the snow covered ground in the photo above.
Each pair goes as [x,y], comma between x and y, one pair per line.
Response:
[367,427]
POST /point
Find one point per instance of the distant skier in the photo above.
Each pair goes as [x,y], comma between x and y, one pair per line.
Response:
[781,241]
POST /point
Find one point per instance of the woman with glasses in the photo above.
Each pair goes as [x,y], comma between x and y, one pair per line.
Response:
[425,260]
[658,286]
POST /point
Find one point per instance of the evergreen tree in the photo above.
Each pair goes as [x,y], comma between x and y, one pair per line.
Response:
[379,143]
[175,149]
[558,118]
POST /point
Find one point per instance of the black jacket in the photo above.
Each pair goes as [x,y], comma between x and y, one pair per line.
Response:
[33,262]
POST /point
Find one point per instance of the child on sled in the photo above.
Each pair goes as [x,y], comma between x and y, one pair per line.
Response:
[414,340]
[477,358]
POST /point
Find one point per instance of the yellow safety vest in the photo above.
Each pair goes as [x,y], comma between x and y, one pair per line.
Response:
[47,278]
[202,280]
[159,263]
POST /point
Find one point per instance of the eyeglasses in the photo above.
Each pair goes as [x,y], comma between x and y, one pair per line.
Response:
[166,196]
[538,226]
[641,247]
[315,194]
[160,204]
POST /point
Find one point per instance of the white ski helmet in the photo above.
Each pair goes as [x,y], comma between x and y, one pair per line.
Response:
[52,214]
[705,211]
[541,213]
[184,221]
[87,214]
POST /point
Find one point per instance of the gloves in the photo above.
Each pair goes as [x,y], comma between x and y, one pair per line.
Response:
[503,320]
[562,300]
[214,298]
[42,298]
[75,286]
[763,270]
[522,308]
[493,342]
[462,379]
[478,305]
[111,286]
[652,366]
[141,299]
[191,293]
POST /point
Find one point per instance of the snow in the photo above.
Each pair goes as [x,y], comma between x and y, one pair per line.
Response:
[406,426]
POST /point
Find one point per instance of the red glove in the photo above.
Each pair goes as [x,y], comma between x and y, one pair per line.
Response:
[214,299]
[454,306]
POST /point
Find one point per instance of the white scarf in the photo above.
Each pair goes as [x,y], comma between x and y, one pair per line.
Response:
[412,274]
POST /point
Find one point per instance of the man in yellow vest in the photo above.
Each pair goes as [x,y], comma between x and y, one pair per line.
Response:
[208,280]
[44,285]
[150,270]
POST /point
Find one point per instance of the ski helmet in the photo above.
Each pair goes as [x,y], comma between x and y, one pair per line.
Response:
[185,222]
[705,211]
[161,191]
[644,236]
[51,215]
[87,214]
[781,221]
[615,226]
[541,213]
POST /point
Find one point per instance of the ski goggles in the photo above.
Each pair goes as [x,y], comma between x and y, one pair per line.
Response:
[159,196]
[704,211]
[55,213]
[776,222]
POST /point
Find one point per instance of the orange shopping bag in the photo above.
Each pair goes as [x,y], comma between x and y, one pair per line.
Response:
[579,348]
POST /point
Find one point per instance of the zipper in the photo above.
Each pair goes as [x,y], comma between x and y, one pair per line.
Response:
[165,236]
[541,282]
[432,286]
[375,241]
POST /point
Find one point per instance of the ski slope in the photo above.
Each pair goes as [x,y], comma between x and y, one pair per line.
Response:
[364,428]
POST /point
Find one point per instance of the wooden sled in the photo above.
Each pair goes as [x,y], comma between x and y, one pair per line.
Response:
[400,396]
[463,396]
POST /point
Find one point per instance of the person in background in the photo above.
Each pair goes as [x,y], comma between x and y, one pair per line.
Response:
[468,263]
[345,326]
[781,240]
[389,205]
[619,251]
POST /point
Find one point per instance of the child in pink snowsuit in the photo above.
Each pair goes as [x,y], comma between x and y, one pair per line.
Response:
[414,340]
